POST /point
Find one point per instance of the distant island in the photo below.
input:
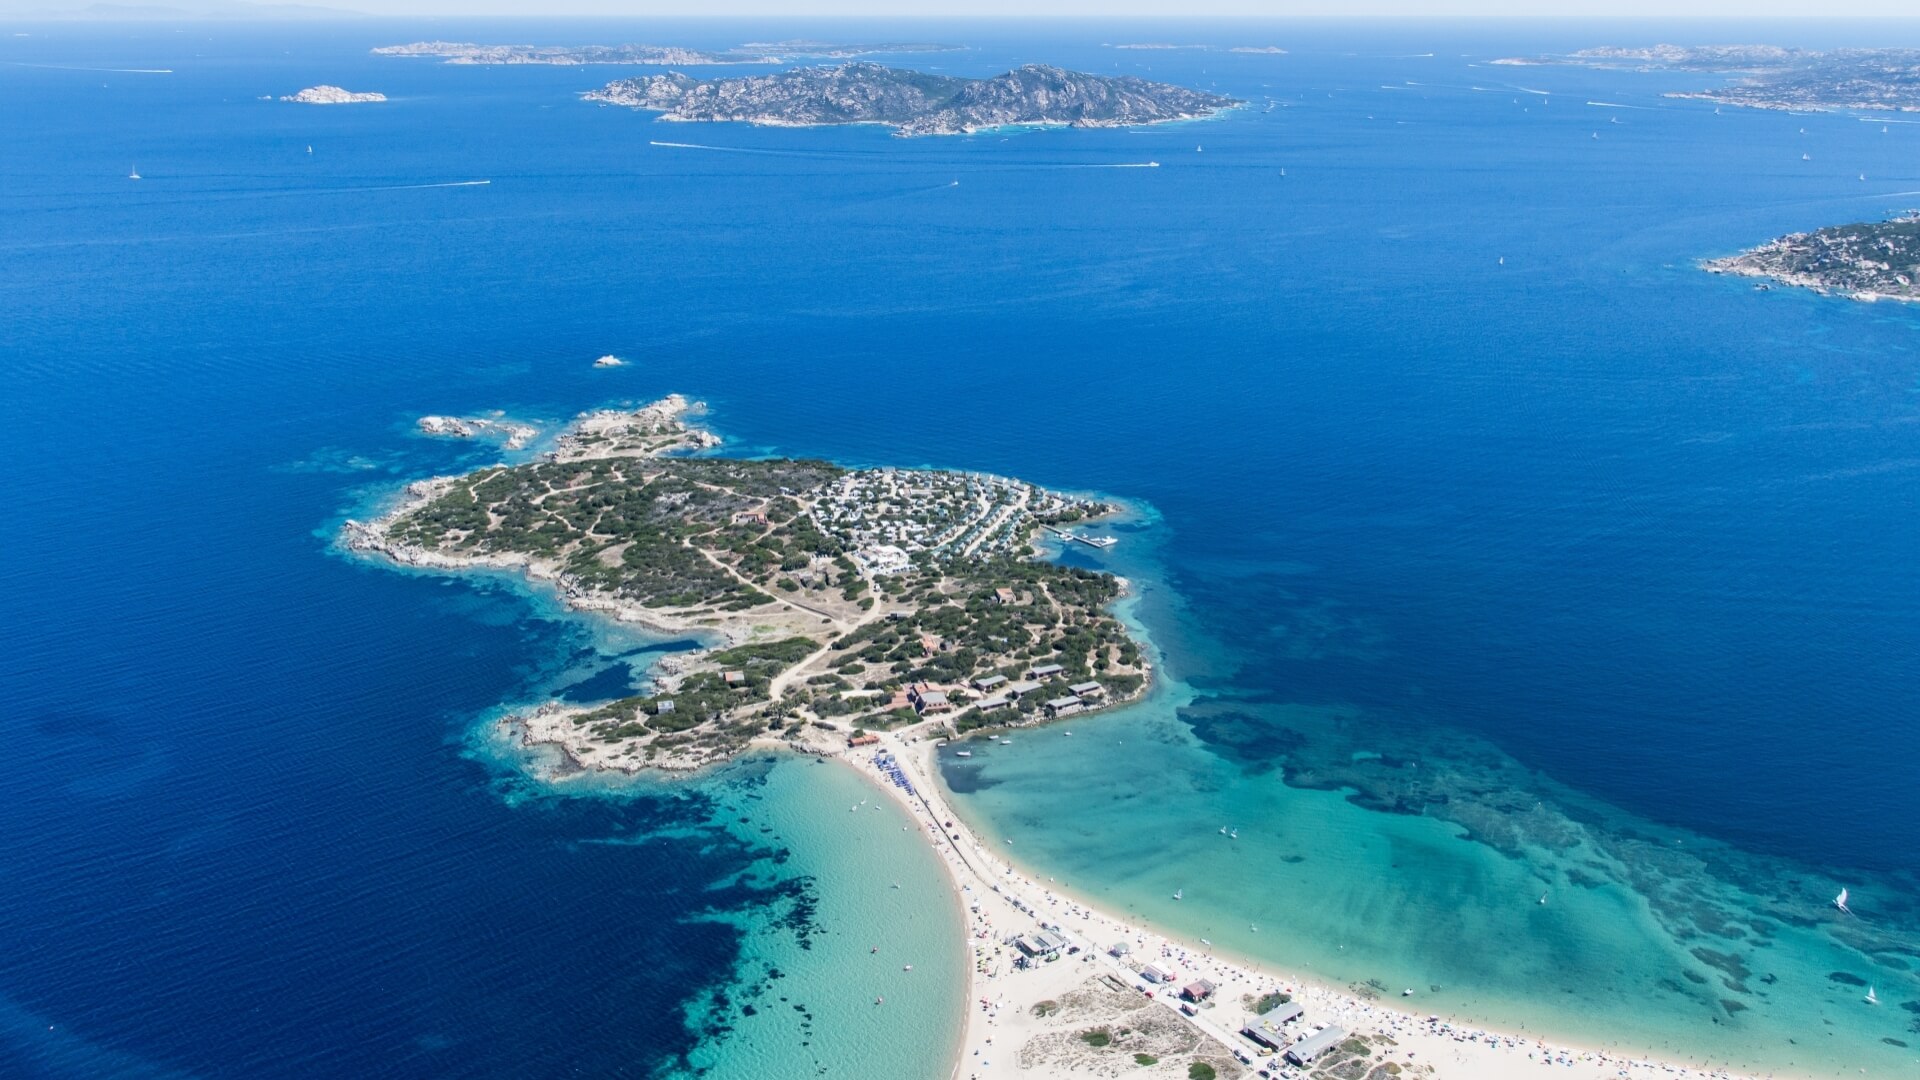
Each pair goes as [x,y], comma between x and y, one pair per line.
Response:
[1773,77]
[837,600]
[914,102]
[1870,261]
[466,52]
[331,95]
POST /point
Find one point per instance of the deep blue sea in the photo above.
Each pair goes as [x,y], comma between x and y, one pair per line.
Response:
[1451,452]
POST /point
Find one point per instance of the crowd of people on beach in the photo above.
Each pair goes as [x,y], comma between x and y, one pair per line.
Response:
[978,871]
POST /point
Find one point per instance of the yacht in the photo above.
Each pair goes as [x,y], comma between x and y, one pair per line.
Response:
[1177,893]
[1841,902]
[133,173]
[1872,998]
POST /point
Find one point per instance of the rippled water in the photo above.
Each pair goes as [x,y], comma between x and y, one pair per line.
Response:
[1584,528]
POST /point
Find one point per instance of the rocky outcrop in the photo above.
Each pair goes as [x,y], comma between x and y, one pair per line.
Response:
[331,95]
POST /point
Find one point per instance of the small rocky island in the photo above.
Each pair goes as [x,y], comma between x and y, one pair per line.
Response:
[914,102]
[836,600]
[1771,77]
[1871,261]
[331,95]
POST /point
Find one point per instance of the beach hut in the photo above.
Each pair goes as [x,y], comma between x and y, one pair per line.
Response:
[1310,1049]
[1119,949]
[1197,991]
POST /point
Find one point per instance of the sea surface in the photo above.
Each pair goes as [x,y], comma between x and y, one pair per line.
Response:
[1492,551]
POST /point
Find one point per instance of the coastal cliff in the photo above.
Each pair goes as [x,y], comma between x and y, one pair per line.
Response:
[831,599]
[913,102]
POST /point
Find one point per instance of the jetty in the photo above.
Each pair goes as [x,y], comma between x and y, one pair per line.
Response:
[1075,538]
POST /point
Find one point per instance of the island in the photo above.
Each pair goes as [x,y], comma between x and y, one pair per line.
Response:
[331,95]
[776,52]
[914,102]
[833,602]
[1868,261]
[467,52]
[1772,77]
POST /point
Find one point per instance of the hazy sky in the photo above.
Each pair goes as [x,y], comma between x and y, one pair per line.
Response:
[1149,8]
[1133,8]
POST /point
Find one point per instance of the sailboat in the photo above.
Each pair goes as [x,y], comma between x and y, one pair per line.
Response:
[1223,830]
[1234,835]
[1872,998]
[1177,893]
[1806,157]
[1543,898]
[133,173]
[1841,902]
[309,151]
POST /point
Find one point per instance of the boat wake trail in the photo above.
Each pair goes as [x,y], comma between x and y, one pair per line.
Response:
[1617,105]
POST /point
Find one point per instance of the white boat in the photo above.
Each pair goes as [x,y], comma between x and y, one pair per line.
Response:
[1198,150]
[1806,157]
[309,151]
[1177,893]
[963,753]
[1543,898]
[1234,835]
[1223,830]
[1841,902]
[133,173]
[1872,998]
[1204,941]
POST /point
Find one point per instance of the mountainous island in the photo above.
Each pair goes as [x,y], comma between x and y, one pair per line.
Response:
[777,52]
[836,599]
[1772,77]
[1870,261]
[331,95]
[914,102]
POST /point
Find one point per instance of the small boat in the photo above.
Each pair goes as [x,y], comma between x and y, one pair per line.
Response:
[909,967]
[1863,177]
[1596,134]
[1234,835]
[1806,157]
[1543,898]
[1283,170]
[879,1001]
[1177,893]
[309,151]
[1204,941]
[1198,150]
[1153,164]
[1223,830]
[1841,902]
[1503,260]
[1871,998]
[1408,992]
[963,753]
[133,173]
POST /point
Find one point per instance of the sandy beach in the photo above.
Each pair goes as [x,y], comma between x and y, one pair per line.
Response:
[1090,1012]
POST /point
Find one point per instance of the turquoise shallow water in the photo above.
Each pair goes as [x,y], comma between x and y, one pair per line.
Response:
[1651,940]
